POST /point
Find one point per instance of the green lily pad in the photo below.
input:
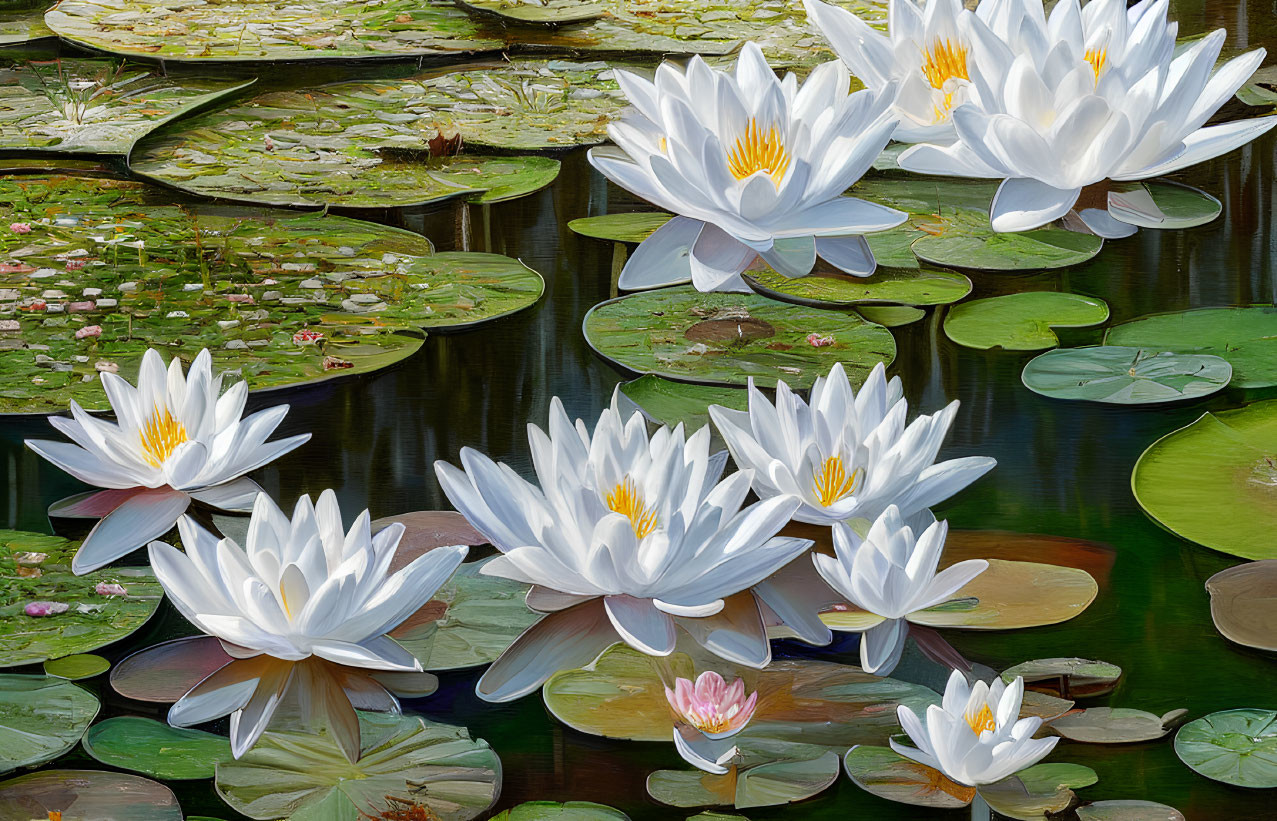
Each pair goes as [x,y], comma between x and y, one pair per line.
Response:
[891,316]
[88,795]
[23,26]
[1037,790]
[905,286]
[1245,336]
[711,815]
[769,773]
[92,620]
[40,719]
[1243,603]
[666,402]
[1182,206]
[629,227]
[270,30]
[887,774]
[1066,677]
[1128,810]
[154,748]
[554,811]
[1116,725]
[44,108]
[1231,503]
[1125,376]
[1238,747]
[544,12]
[406,762]
[1023,321]
[79,666]
[724,339]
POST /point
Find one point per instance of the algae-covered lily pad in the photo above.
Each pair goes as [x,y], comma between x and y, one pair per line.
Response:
[76,667]
[406,762]
[41,717]
[1128,810]
[1238,747]
[1066,677]
[1116,725]
[1245,336]
[887,774]
[1023,321]
[1125,376]
[666,402]
[768,773]
[632,227]
[544,12]
[154,748]
[87,795]
[724,339]
[1243,603]
[554,811]
[81,618]
[1231,503]
[23,26]
[903,286]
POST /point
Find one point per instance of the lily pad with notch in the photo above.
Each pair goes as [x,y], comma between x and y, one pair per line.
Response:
[1066,677]
[89,795]
[155,749]
[1237,747]
[1116,725]
[1245,336]
[1125,376]
[1023,321]
[885,773]
[41,718]
[894,286]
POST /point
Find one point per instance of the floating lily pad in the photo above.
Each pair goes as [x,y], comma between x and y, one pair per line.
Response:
[87,795]
[1230,503]
[905,286]
[1066,677]
[1243,603]
[1245,336]
[1238,747]
[40,719]
[887,774]
[425,530]
[769,773]
[1125,376]
[1116,725]
[1128,810]
[23,26]
[406,762]
[1181,206]
[666,402]
[629,227]
[1038,790]
[154,748]
[891,316]
[554,811]
[1023,321]
[79,666]
[165,672]
[91,620]
[724,339]
[545,12]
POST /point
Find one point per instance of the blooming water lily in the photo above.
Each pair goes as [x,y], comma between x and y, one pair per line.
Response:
[709,712]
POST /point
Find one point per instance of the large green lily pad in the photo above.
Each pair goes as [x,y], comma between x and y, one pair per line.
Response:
[1238,747]
[87,795]
[904,286]
[41,717]
[554,811]
[22,26]
[544,12]
[724,339]
[1023,321]
[406,762]
[632,227]
[76,667]
[671,403]
[1125,376]
[91,620]
[154,748]
[1245,336]
[1215,481]
[1116,725]
[887,774]
[91,106]
[1066,677]
[768,773]
[1243,603]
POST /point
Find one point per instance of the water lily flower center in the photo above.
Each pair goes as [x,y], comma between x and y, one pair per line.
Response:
[710,719]
[945,61]
[160,436]
[832,482]
[1097,57]
[626,499]
[757,150]
[982,721]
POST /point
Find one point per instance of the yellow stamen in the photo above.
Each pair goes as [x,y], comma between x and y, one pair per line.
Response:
[982,720]
[833,483]
[626,500]
[1097,57]
[946,60]
[715,723]
[160,436]
[940,113]
[757,150]
[664,145]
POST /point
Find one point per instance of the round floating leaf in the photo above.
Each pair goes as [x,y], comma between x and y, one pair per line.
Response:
[632,227]
[22,26]
[905,286]
[1125,376]
[1021,322]
[891,316]
[1037,790]
[165,672]
[724,339]
[887,774]
[88,795]
[666,402]
[40,719]
[711,815]
[79,666]
[1066,677]
[770,773]
[1243,603]
[547,12]
[92,620]
[1116,725]
[154,748]
[554,811]
[1180,206]
[1238,747]
[1232,459]
[406,762]
[1127,811]
[1245,336]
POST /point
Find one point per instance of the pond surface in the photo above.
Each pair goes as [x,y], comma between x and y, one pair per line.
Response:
[1063,469]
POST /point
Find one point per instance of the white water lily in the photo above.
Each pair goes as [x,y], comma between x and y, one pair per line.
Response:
[975,736]
[752,166]
[1088,95]
[626,539]
[174,440]
[924,52]
[891,574]
[847,454]
[300,590]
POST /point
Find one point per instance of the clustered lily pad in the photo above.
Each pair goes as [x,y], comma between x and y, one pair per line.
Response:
[1246,336]
[1119,375]
[41,717]
[1023,321]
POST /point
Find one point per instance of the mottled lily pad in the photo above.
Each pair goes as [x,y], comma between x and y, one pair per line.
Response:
[724,339]
[904,286]
[40,719]
[887,774]
[1231,503]
[1125,376]
[544,12]
[554,811]
[767,774]
[1023,321]
[1066,677]
[87,795]
[1243,603]
[23,26]
[666,402]
[154,748]
[1116,725]
[1128,810]
[1038,790]
[76,667]
[1238,747]
[406,762]
[631,227]
[91,620]
[1245,336]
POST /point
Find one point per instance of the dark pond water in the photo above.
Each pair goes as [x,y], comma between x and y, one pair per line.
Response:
[1064,469]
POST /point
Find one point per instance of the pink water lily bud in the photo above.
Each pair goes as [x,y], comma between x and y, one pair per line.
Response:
[818,341]
[45,608]
[711,705]
[104,589]
[307,337]
[88,330]
[76,264]
[20,227]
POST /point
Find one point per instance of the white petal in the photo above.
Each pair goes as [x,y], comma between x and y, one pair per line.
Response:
[137,521]
[1023,204]
[662,258]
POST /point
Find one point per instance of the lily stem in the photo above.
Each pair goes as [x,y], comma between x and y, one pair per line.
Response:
[980,809]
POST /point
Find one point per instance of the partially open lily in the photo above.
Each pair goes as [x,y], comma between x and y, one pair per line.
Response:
[175,440]
[710,712]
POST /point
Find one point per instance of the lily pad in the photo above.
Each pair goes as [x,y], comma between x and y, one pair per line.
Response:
[891,316]
[165,672]
[88,795]
[91,620]
[1245,336]
[23,26]
[1238,747]
[544,12]
[1128,810]
[76,667]
[629,227]
[1037,790]
[554,811]
[905,286]
[1125,376]
[40,719]
[1066,677]
[1181,206]
[666,402]
[769,773]
[724,339]
[1023,321]
[1116,725]
[154,748]
[887,774]
[1231,503]
[1243,603]
[406,763]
